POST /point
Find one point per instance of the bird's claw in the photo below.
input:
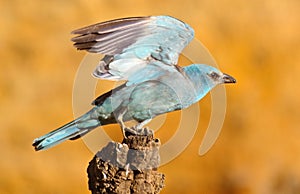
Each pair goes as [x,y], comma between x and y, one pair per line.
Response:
[145,131]
[128,131]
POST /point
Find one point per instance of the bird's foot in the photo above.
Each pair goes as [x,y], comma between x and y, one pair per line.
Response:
[128,131]
[145,131]
[134,131]
[141,125]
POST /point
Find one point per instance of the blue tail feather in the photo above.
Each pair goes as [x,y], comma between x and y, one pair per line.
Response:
[69,131]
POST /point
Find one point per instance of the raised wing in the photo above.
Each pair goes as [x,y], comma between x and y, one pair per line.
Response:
[130,44]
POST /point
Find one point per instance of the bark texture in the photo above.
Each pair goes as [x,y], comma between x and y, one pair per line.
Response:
[128,167]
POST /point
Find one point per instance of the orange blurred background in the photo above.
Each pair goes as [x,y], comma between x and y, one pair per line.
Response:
[256,41]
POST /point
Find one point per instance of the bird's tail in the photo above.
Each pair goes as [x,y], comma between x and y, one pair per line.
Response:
[73,130]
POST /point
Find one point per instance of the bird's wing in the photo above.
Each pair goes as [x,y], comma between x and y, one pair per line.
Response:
[130,44]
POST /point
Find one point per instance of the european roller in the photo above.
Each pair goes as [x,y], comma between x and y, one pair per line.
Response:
[144,52]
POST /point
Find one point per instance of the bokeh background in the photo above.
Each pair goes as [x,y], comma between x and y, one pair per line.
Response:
[257,41]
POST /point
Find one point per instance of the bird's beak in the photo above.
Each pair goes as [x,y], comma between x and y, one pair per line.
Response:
[228,79]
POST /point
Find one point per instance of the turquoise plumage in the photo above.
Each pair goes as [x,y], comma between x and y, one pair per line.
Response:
[143,51]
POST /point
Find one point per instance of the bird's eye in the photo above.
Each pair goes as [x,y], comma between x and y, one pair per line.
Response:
[214,75]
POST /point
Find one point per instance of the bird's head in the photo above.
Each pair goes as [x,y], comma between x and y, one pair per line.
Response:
[205,77]
[209,74]
[216,76]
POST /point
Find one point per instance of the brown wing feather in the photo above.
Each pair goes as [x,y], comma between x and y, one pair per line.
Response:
[111,25]
[110,37]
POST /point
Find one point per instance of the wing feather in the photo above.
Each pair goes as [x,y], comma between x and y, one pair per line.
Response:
[100,42]
[112,25]
[135,43]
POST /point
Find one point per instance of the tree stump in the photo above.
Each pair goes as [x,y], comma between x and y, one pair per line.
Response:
[129,167]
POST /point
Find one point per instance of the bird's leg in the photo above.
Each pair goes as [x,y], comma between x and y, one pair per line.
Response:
[121,122]
[141,124]
[139,127]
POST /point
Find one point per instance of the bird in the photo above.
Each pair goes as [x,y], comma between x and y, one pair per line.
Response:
[143,52]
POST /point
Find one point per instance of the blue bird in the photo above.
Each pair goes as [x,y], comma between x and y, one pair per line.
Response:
[143,51]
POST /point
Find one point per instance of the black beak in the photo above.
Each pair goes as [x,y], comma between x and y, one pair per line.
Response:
[228,79]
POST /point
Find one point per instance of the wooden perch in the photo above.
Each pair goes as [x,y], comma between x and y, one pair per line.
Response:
[129,167]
